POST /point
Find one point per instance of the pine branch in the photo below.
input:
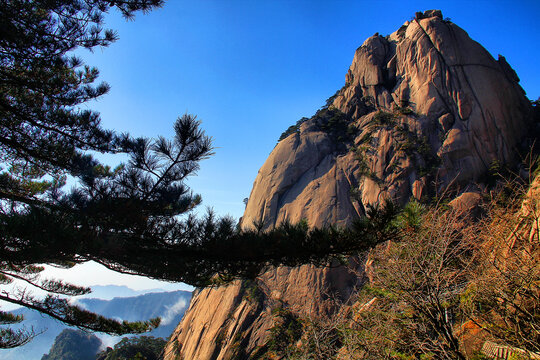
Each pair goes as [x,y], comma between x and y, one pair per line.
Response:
[60,309]
[13,338]
[52,286]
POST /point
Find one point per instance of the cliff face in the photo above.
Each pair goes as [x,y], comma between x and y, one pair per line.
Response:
[423,110]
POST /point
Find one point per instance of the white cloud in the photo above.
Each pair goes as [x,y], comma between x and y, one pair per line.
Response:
[74,301]
[108,341]
[172,311]
[91,273]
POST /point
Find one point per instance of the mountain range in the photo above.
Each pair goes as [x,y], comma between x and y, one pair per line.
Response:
[170,306]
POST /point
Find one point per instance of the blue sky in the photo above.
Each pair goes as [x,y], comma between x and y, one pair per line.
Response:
[249,69]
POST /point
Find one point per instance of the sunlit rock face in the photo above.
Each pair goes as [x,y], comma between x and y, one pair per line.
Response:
[423,110]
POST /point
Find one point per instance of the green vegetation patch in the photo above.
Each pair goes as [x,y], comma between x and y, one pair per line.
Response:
[252,292]
[286,332]
[143,347]
[293,129]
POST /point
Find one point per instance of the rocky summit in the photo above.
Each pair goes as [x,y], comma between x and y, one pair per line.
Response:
[424,111]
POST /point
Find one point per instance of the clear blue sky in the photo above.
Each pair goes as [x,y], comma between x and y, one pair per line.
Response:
[249,69]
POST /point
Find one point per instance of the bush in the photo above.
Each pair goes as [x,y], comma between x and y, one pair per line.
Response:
[384,118]
[293,129]
[441,270]
[286,331]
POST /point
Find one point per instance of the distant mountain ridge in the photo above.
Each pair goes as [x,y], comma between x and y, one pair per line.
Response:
[108,292]
[170,306]
[73,344]
[148,306]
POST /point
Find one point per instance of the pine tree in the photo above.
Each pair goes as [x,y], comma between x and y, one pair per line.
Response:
[126,218]
[45,137]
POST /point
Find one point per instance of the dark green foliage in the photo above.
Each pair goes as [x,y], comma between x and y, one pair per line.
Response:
[337,125]
[60,309]
[330,100]
[216,247]
[176,348]
[408,141]
[404,110]
[364,168]
[354,194]
[143,347]
[366,139]
[431,161]
[412,145]
[286,331]
[41,86]
[384,118]
[220,338]
[499,172]
[368,101]
[410,218]
[10,338]
[401,31]
[293,129]
[9,318]
[291,337]
[330,120]
[74,345]
[252,291]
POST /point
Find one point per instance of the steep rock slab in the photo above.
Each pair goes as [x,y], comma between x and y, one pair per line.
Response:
[462,108]
[424,110]
[303,178]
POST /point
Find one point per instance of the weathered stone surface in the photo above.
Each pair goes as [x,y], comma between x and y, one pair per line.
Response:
[466,203]
[432,110]
[301,177]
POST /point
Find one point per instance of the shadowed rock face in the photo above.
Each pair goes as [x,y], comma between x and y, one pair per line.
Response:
[423,110]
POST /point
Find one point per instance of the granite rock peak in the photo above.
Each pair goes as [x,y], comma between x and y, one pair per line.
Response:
[424,110]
